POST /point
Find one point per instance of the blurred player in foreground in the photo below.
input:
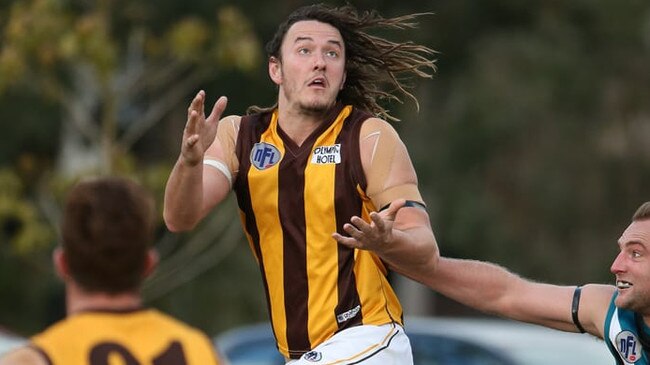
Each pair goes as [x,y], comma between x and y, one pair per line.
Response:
[105,254]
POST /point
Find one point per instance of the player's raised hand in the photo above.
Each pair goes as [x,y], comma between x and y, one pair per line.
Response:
[375,235]
[200,131]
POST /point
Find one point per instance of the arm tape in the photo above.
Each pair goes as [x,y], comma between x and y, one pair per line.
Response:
[219,166]
[575,305]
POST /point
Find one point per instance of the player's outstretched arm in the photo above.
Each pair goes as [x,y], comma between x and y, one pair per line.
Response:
[493,289]
[400,232]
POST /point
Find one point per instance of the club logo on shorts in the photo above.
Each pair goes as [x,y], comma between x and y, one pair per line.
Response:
[628,346]
[264,155]
[312,356]
[326,155]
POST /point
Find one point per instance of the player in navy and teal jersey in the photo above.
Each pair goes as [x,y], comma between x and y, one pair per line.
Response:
[619,314]
[627,335]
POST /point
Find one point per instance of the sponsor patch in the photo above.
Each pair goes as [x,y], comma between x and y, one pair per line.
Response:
[264,155]
[349,314]
[326,155]
[628,346]
[312,356]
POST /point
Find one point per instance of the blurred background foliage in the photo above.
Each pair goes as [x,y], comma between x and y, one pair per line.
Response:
[529,143]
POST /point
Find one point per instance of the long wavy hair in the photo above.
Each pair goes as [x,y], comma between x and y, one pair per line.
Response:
[377,69]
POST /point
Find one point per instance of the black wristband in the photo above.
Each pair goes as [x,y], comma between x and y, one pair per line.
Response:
[409,203]
[575,305]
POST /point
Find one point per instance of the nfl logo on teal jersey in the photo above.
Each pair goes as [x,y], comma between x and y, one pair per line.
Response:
[628,346]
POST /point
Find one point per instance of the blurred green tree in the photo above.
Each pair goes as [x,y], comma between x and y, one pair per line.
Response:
[530,147]
[112,70]
[529,143]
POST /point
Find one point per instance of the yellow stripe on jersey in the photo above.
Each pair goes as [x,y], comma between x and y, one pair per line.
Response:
[264,200]
[322,250]
[369,265]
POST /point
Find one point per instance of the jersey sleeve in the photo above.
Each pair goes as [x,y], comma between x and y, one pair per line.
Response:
[224,149]
[389,172]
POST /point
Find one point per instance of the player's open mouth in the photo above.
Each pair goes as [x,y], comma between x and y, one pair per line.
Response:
[620,284]
[318,82]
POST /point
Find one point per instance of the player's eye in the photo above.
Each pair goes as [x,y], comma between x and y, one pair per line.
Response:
[332,54]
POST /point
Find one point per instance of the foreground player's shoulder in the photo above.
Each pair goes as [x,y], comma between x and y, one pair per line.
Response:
[25,355]
[193,339]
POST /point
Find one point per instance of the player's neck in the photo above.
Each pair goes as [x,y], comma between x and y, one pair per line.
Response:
[78,300]
[646,319]
[299,124]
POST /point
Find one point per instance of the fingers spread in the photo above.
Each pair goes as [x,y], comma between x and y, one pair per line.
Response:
[378,221]
[192,125]
[352,231]
[218,108]
[191,140]
[360,224]
[197,102]
[391,212]
[346,241]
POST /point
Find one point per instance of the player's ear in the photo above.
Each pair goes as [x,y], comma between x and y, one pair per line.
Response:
[60,263]
[275,70]
[151,262]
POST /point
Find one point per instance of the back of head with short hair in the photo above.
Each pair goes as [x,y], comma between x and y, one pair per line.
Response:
[107,229]
[642,213]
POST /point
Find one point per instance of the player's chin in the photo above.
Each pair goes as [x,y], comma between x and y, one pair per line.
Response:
[317,105]
[623,300]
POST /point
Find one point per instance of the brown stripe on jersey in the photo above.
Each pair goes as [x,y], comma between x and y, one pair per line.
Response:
[291,207]
[250,129]
[345,183]
[302,328]
[358,175]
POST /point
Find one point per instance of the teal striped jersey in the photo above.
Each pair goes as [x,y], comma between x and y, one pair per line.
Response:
[626,335]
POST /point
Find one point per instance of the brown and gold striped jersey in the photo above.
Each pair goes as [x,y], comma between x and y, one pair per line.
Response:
[140,337]
[291,199]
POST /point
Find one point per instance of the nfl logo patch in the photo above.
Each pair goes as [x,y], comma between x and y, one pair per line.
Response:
[628,346]
[264,155]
